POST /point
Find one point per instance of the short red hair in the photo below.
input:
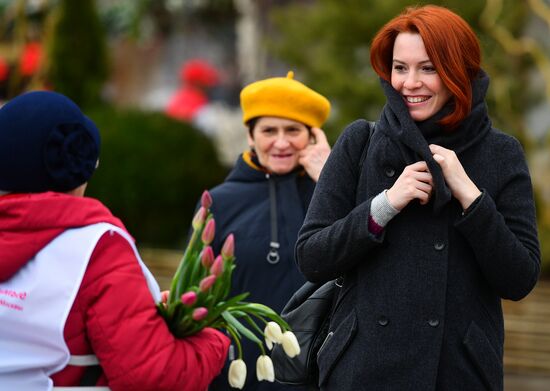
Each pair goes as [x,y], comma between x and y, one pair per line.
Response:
[450,43]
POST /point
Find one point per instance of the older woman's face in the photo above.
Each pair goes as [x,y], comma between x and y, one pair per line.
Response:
[414,76]
[277,142]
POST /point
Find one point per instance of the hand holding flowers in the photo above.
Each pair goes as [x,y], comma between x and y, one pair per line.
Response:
[198,298]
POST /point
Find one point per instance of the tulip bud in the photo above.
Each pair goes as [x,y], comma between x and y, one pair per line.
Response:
[164,296]
[290,344]
[264,369]
[217,267]
[189,298]
[273,332]
[237,374]
[228,249]
[206,200]
[207,282]
[199,313]
[208,233]
[199,218]
[207,257]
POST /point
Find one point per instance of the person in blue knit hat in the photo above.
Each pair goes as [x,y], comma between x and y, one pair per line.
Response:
[77,304]
[46,144]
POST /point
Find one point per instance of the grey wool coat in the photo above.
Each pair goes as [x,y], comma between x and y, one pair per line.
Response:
[420,308]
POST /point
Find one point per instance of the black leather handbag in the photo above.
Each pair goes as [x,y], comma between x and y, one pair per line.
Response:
[308,314]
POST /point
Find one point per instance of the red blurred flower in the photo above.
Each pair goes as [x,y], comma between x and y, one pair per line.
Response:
[30,59]
[4,69]
[199,73]
[186,103]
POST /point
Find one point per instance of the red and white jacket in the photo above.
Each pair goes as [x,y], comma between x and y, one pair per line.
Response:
[113,315]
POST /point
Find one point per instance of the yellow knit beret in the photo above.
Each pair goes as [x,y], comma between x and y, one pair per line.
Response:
[284,97]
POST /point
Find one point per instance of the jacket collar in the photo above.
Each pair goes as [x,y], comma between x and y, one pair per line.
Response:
[413,137]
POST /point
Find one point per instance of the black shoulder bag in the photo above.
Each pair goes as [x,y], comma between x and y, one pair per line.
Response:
[308,313]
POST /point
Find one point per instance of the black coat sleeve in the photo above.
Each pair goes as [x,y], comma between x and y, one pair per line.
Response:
[335,235]
[502,229]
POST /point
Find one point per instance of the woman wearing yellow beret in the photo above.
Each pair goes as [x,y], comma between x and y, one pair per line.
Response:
[264,199]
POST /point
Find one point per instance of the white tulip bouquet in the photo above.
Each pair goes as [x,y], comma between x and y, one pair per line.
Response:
[198,298]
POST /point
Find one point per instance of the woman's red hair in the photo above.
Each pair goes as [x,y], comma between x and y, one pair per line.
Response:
[451,45]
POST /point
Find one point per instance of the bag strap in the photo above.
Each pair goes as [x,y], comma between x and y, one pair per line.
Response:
[339,282]
[372,126]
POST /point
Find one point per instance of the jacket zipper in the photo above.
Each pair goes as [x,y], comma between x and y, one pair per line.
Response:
[329,336]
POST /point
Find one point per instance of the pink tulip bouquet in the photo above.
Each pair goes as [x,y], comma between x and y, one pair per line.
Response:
[199,297]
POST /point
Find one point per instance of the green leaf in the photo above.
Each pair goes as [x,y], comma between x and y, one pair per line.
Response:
[180,280]
[261,310]
[222,306]
[251,322]
[240,327]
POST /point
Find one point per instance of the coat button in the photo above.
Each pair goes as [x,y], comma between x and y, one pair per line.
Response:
[383,321]
[439,246]
[389,171]
[433,322]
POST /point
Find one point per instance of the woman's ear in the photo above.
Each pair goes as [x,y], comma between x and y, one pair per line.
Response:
[250,140]
[312,139]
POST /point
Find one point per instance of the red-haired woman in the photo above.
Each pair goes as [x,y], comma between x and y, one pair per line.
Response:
[431,231]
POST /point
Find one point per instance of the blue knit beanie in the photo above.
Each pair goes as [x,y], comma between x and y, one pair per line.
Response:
[46,144]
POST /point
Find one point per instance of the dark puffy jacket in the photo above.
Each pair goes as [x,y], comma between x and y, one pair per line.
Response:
[242,206]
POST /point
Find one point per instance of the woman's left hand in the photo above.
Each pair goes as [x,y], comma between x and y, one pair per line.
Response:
[462,187]
[314,156]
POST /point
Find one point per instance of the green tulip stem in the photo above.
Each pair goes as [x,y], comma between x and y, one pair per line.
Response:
[177,285]
[235,337]
[230,319]
[251,322]
[261,346]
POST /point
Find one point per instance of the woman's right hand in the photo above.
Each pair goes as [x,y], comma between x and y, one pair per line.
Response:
[315,155]
[415,182]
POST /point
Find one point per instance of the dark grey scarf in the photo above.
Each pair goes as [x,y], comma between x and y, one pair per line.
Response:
[413,138]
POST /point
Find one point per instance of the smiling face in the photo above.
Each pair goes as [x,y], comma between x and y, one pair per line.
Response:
[277,142]
[414,76]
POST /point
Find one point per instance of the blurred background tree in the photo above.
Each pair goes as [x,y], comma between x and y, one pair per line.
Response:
[152,171]
[77,59]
